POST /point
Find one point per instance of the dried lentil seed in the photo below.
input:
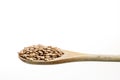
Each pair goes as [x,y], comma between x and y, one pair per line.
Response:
[39,52]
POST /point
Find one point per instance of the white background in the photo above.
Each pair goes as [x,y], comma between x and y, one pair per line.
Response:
[89,26]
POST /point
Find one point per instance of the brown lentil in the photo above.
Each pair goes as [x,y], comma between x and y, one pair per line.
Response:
[40,53]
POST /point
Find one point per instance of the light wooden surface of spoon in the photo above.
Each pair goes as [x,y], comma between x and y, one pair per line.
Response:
[70,56]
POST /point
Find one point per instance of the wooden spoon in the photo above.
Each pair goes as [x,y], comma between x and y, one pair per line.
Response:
[70,56]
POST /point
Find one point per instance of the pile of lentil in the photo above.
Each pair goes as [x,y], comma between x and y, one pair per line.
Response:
[40,53]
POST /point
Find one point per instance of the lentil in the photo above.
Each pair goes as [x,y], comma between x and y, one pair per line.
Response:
[40,53]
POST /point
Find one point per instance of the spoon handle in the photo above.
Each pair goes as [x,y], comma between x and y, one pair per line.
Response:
[93,57]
